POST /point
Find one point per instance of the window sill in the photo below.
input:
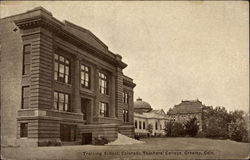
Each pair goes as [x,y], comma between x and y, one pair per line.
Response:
[64,84]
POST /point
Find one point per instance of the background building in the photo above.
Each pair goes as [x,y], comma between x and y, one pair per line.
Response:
[60,83]
[187,110]
[145,116]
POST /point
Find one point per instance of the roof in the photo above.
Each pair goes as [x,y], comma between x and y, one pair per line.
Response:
[187,107]
[158,111]
[69,31]
[139,104]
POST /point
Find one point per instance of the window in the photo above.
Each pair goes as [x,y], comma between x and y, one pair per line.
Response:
[103,83]
[139,124]
[85,76]
[61,101]
[26,59]
[144,125]
[125,97]
[135,123]
[25,97]
[160,127]
[67,132]
[24,130]
[61,69]
[156,126]
[104,111]
[125,115]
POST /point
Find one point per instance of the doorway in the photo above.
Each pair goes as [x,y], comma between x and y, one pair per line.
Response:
[86,138]
[85,108]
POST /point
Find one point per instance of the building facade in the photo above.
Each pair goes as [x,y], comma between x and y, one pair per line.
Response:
[60,83]
[187,110]
[147,121]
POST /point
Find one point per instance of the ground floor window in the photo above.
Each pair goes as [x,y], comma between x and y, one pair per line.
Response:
[104,109]
[67,132]
[24,130]
[144,125]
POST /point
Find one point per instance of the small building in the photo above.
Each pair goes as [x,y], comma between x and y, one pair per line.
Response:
[187,110]
[60,84]
[145,116]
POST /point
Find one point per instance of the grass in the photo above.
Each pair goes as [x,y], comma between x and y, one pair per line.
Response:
[153,148]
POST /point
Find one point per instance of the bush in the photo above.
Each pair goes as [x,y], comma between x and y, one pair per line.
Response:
[200,135]
[174,129]
[49,143]
[238,132]
[100,141]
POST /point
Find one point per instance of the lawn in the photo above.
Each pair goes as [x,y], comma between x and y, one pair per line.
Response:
[153,148]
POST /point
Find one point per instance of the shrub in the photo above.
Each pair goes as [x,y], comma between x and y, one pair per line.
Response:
[238,131]
[50,143]
[200,135]
[174,129]
[100,140]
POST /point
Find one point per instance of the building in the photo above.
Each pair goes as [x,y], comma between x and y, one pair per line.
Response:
[187,110]
[60,84]
[145,116]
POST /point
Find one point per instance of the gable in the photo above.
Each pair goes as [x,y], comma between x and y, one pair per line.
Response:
[86,36]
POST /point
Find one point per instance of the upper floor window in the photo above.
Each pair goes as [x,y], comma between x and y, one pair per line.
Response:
[25,97]
[61,101]
[61,69]
[26,59]
[104,110]
[85,76]
[125,97]
[24,130]
[103,83]
[125,115]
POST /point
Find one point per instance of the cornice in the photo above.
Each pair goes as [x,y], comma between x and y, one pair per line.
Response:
[128,83]
[57,28]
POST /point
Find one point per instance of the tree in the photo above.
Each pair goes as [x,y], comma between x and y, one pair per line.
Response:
[174,129]
[168,128]
[238,127]
[191,127]
[178,130]
[215,121]
[215,128]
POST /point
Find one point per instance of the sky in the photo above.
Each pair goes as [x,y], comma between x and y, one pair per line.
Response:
[174,50]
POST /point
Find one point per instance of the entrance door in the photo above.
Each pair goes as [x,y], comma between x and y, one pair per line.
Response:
[85,107]
[86,138]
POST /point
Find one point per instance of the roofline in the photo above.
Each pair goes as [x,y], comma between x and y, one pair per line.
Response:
[88,31]
[46,19]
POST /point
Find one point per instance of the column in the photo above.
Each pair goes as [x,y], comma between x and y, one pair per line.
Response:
[76,94]
[112,97]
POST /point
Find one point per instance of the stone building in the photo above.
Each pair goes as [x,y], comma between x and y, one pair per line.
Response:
[187,110]
[60,83]
[144,116]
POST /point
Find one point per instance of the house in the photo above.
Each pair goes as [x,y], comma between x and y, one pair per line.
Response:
[60,84]
[148,121]
[187,110]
